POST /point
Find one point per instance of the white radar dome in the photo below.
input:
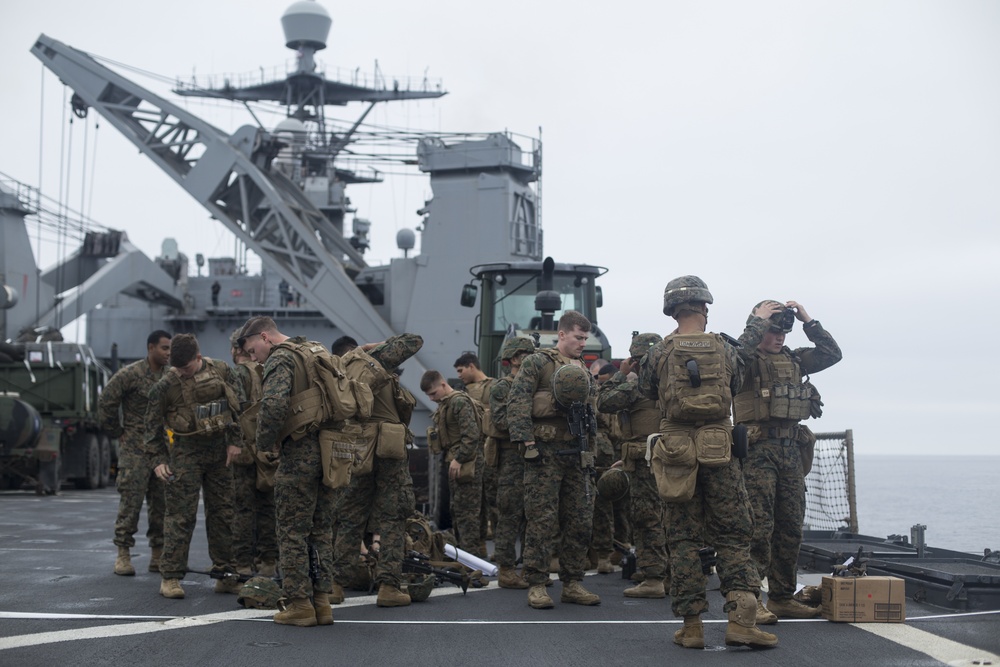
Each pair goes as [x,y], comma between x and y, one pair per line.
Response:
[306,23]
[406,239]
[293,127]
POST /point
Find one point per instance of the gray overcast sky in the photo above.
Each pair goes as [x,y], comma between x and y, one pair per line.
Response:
[842,154]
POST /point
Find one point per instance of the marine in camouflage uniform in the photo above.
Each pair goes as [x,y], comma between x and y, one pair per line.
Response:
[460,434]
[611,518]
[638,418]
[718,513]
[510,470]
[128,390]
[773,400]
[383,496]
[255,542]
[198,461]
[558,509]
[304,505]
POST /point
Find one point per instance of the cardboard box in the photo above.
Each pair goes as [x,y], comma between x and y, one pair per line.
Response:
[864,599]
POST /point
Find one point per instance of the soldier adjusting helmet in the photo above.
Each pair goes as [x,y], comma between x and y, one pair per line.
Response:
[613,484]
[570,384]
[515,345]
[783,320]
[641,344]
[685,289]
[260,593]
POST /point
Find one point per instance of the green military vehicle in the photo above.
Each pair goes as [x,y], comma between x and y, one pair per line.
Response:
[49,427]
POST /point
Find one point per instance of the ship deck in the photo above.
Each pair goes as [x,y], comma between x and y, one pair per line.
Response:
[61,604]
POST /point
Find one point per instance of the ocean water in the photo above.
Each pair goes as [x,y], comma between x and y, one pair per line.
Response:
[954,496]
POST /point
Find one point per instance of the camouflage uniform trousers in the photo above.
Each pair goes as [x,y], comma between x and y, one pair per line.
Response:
[611,519]
[489,512]
[136,482]
[304,509]
[648,523]
[718,515]
[774,480]
[254,536]
[385,498]
[197,465]
[510,504]
[466,506]
[559,513]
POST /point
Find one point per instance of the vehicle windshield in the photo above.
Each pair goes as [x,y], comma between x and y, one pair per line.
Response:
[514,302]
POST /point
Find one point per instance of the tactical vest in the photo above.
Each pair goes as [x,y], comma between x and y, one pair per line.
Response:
[640,420]
[480,391]
[548,419]
[201,406]
[774,391]
[693,380]
[256,389]
[322,393]
[448,429]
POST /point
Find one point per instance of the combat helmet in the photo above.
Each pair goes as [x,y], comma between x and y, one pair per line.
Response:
[570,384]
[234,338]
[783,320]
[641,344]
[260,593]
[419,586]
[514,345]
[684,290]
[613,484]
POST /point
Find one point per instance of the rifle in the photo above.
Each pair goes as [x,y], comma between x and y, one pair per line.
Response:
[226,575]
[418,563]
[581,424]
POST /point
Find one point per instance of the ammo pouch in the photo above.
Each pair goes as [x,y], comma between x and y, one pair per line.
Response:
[467,472]
[492,452]
[807,447]
[391,443]
[633,455]
[790,401]
[434,440]
[674,462]
[248,422]
[265,470]
[714,445]
[337,449]
[543,405]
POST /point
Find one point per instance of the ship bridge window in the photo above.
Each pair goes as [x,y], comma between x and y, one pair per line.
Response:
[513,303]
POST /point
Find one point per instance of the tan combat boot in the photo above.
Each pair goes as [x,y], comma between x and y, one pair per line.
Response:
[764,616]
[268,569]
[337,595]
[574,593]
[649,588]
[298,611]
[228,585]
[692,635]
[792,609]
[509,578]
[604,565]
[154,559]
[324,612]
[538,598]
[742,629]
[123,563]
[171,588]
[390,596]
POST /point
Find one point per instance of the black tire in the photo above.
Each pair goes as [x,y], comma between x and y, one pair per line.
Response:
[105,470]
[93,448]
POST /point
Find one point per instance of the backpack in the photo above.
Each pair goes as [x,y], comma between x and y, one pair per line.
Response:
[694,383]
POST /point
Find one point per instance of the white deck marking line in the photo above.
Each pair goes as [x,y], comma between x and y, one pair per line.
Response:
[947,651]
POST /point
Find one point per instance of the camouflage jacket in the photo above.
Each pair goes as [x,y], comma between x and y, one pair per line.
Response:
[738,360]
[522,391]
[457,414]
[617,394]
[279,378]
[811,359]
[128,389]
[243,383]
[499,393]
[156,414]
